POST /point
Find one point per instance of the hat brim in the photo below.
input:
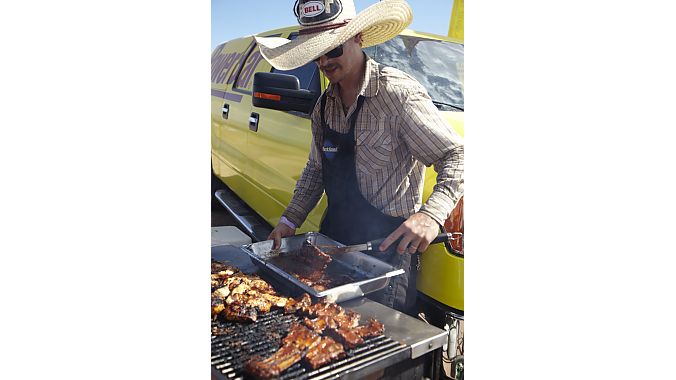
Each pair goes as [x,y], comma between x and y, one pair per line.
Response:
[378,23]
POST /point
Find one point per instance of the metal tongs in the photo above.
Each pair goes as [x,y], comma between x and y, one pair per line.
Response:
[374,244]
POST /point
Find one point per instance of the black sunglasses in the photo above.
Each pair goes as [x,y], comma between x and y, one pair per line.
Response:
[335,53]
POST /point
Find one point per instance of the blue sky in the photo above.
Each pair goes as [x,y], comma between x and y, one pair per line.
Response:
[235,18]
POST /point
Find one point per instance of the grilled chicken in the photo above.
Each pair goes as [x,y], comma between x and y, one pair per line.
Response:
[217,307]
[221,293]
[293,305]
[275,300]
[240,313]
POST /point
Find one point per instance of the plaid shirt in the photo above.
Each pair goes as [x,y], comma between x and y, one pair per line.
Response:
[398,132]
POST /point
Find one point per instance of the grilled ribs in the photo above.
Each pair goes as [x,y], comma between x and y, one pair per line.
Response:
[313,256]
[325,352]
[322,308]
[346,336]
[295,345]
[346,320]
[352,337]
[319,324]
[371,329]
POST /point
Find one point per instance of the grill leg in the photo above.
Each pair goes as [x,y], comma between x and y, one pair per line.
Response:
[437,365]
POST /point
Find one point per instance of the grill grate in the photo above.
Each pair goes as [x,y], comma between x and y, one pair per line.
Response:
[233,344]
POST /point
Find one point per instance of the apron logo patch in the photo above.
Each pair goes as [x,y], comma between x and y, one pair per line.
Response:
[330,149]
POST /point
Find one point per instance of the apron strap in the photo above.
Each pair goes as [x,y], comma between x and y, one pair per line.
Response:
[321,109]
[353,117]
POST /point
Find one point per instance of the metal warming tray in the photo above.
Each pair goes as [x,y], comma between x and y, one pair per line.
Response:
[373,273]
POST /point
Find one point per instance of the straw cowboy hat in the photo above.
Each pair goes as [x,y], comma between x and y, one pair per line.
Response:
[326,24]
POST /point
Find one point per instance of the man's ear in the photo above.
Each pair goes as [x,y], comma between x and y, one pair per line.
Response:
[358,38]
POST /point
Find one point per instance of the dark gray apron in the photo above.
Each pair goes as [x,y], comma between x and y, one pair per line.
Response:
[351,219]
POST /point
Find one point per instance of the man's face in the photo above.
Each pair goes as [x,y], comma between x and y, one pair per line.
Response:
[338,68]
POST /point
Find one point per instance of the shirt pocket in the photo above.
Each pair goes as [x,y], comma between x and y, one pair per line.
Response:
[375,146]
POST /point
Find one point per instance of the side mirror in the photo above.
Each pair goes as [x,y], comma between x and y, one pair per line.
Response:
[281,92]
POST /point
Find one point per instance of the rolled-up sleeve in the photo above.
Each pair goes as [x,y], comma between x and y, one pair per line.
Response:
[433,142]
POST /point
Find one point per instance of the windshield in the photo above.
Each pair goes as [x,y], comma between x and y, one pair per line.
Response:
[437,65]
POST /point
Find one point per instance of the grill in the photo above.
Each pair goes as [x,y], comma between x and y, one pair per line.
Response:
[406,339]
[233,344]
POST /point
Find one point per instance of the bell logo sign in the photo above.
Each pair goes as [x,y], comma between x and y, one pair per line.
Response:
[312,8]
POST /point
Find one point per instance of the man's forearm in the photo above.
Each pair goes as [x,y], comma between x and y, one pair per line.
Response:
[449,187]
[309,189]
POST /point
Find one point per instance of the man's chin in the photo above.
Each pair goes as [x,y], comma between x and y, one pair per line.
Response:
[331,74]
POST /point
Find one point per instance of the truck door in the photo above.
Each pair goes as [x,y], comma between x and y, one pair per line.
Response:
[229,112]
[280,144]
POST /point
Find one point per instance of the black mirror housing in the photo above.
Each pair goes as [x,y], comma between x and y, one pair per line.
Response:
[281,92]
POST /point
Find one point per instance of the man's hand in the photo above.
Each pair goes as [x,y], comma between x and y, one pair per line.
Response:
[280,231]
[418,230]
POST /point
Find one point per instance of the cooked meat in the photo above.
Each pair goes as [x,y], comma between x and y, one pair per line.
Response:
[217,267]
[261,286]
[322,308]
[255,299]
[275,300]
[332,318]
[294,346]
[354,336]
[274,365]
[239,313]
[235,298]
[301,337]
[319,324]
[293,305]
[371,329]
[348,320]
[217,307]
[325,352]
[240,297]
[221,293]
[347,337]
[313,256]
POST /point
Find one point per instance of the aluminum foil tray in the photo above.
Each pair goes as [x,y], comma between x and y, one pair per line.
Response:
[373,274]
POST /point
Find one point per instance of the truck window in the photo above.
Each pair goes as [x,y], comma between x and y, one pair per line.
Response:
[308,75]
[437,65]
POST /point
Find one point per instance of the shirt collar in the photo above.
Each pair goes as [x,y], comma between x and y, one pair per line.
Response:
[370,83]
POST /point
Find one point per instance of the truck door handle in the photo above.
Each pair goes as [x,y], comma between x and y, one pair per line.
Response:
[253,122]
[226,110]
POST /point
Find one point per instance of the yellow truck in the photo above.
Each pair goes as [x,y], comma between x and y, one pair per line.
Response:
[258,154]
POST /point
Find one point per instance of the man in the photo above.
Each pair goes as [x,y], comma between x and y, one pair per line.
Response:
[374,131]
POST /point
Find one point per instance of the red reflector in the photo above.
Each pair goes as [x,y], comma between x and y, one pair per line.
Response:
[456,223]
[263,95]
